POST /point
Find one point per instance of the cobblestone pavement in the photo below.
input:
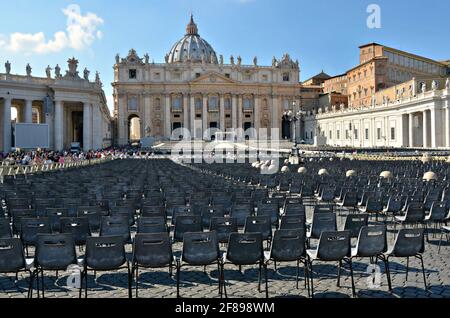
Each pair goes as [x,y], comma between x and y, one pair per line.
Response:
[197,284]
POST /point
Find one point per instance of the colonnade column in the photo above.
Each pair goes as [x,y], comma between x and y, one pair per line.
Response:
[86,126]
[234,112]
[193,132]
[447,124]
[7,124]
[425,129]
[257,113]
[205,116]
[411,130]
[28,111]
[59,134]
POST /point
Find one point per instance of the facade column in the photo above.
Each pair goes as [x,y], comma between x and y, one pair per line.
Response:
[186,111]
[205,116]
[436,127]
[425,129]
[240,111]
[193,130]
[234,112]
[256,116]
[122,134]
[275,119]
[86,126]
[28,111]
[222,113]
[411,130]
[97,135]
[447,124]
[59,133]
[167,118]
[7,125]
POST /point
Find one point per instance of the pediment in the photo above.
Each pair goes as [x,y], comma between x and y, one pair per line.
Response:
[213,78]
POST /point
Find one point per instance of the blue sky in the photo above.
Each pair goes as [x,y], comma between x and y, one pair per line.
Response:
[322,34]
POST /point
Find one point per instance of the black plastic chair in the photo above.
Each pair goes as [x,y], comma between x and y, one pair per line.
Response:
[208,213]
[151,225]
[409,243]
[224,227]
[245,249]
[12,260]
[322,222]
[78,227]
[372,243]
[199,249]
[373,206]
[291,222]
[437,217]
[116,226]
[5,229]
[241,212]
[259,224]
[30,228]
[415,214]
[185,224]
[290,246]
[55,215]
[94,215]
[54,252]
[151,251]
[333,247]
[445,230]
[354,223]
[106,253]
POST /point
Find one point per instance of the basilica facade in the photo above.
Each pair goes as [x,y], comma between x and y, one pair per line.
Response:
[198,90]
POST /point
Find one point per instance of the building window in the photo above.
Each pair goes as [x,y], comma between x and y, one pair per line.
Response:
[132,104]
[247,77]
[338,134]
[227,75]
[197,75]
[347,136]
[132,74]
[177,105]
[378,133]
[247,105]
[265,78]
[392,133]
[227,104]
[367,134]
[198,104]
[157,76]
[286,77]
[176,76]
[356,134]
[213,104]
[331,134]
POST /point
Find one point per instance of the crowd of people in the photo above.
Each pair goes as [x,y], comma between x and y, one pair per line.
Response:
[45,157]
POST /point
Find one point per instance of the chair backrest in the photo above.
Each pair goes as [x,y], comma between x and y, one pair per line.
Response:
[185,224]
[415,212]
[94,215]
[269,210]
[290,222]
[290,209]
[152,250]
[334,246]
[151,225]
[395,204]
[439,211]
[323,208]
[55,215]
[355,222]
[78,227]
[116,226]
[224,226]
[201,248]
[12,258]
[259,224]
[55,251]
[5,228]
[105,252]
[323,222]
[241,212]
[31,227]
[409,242]
[245,249]
[372,241]
[211,212]
[288,245]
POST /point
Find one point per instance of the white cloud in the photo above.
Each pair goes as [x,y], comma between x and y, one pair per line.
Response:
[81,32]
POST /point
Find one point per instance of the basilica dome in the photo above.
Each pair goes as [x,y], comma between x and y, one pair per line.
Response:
[192,48]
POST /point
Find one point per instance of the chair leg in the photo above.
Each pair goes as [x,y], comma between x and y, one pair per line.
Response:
[267,281]
[30,286]
[178,280]
[440,241]
[137,280]
[423,272]
[312,278]
[259,279]
[80,290]
[42,281]
[298,270]
[85,283]
[388,273]
[352,277]
[307,278]
[407,268]
[130,291]
[224,284]
[339,274]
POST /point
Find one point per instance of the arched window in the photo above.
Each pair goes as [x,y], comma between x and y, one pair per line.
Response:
[177,104]
[198,104]
[213,104]
[286,77]
[227,104]
[247,104]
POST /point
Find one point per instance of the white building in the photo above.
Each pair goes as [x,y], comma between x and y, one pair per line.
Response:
[416,119]
[73,107]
